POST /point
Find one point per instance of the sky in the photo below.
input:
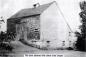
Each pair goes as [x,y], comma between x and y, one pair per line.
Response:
[69,8]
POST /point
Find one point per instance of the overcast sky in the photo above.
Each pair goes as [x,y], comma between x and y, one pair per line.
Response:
[70,9]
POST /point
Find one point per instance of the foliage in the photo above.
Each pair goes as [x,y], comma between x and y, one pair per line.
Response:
[80,45]
[5,39]
[81,41]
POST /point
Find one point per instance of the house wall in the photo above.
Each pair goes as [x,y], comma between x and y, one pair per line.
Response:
[10,26]
[54,27]
[28,28]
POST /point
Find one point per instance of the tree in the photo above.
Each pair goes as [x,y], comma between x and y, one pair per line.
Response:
[81,41]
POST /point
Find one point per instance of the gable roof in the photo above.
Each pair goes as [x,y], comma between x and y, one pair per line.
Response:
[31,11]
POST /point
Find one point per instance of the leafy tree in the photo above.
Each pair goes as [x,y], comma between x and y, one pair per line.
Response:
[81,41]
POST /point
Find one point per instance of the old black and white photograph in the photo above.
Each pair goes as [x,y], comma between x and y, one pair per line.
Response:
[42,28]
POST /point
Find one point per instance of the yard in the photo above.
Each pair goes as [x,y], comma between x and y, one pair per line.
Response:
[21,50]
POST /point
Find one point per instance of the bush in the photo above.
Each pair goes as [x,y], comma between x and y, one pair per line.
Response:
[5,42]
[6,46]
[81,44]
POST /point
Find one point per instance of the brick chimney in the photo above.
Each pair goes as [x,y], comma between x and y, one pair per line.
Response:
[36,5]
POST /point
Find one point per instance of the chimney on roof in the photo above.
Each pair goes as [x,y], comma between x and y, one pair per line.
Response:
[36,5]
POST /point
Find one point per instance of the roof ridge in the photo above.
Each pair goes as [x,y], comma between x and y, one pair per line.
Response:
[31,11]
[40,5]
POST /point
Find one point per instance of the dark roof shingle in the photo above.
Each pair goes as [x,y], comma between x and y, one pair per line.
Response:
[31,11]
